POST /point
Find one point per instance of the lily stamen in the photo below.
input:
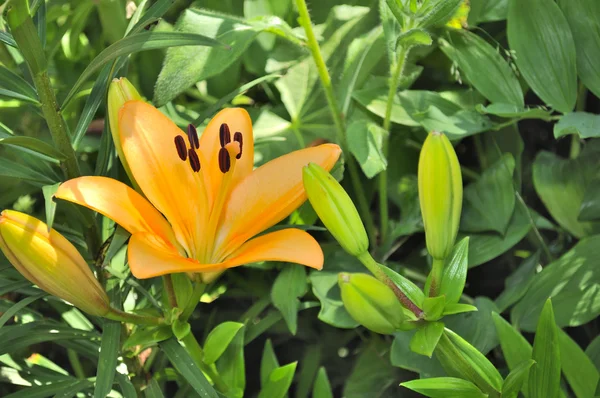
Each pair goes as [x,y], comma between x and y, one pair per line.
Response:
[194,160]
[224,135]
[239,138]
[181,147]
[193,136]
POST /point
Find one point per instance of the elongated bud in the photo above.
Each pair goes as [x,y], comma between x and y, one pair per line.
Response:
[50,261]
[440,194]
[371,303]
[119,92]
[335,209]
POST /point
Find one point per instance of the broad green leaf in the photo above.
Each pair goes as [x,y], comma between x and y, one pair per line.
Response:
[455,272]
[279,382]
[325,286]
[107,361]
[590,205]
[365,141]
[290,285]
[473,55]
[586,125]
[322,387]
[544,376]
[461,124]
[516,378]
[433,307]
[484,247]
[517,283]
[135,43]
[577,367]
[268,363]
[487,11]
[403,357]
[539,34]
[561,184]
[426,338]
[437,12]
[219,339]
[584,19]
[231,366]
[593,352]
[186,366]
[513,111]
[414,37]
[10,81]
[461,359]
[573,282]
[372,373]
[476,326]
[515,347]
[445,387]
[35,146]
[489,202]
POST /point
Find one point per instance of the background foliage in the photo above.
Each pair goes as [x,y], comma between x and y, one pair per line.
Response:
[514,85]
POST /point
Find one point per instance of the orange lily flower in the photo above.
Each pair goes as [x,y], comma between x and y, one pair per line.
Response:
[205,203]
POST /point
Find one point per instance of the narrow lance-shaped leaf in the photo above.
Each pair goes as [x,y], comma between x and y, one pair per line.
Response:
[544,377]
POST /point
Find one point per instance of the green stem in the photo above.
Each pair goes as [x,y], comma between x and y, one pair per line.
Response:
[581,102]
[25,34]
[432,286]
[193,348]
[397,72]
[199,289]
[377,271]
[535,229]
[118,315]
[75,364]
[315,50]
[168,283]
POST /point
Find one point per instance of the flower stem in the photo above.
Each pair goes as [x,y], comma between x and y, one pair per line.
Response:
[432,286]
[340,129]
[168,283]
[193,348]
[397,72]
[199,288]
[118,315]
[28,41]
[377,271]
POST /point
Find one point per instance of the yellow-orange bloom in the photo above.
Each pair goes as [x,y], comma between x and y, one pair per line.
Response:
[49,260]
[205,203]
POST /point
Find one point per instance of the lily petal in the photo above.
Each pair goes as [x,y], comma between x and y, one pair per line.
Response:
[268,195]
[288,245]
[149,256]
[148,140]
[238,120]
[118,202]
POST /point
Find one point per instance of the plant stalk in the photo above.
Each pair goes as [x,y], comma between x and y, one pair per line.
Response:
[118,315]
[432,286]
[193,348]
[334,108]
[168,283]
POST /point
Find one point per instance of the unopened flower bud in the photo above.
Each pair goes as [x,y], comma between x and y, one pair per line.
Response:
[50,261]
[440,194]
[119,92]
[335,209]
[371,303]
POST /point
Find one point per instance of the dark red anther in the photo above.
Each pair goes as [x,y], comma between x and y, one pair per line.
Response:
[224,160]
[193,136]
[181,148]
[239,138]
[194,160]
[224,135]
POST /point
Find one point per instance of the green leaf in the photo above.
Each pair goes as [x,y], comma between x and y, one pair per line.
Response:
[514,111]
[268,362]
[136,43]
[487,11]
[50,204]
[107,361]
[231,366]
[540,36]
[7,39]
[15,337]
[476,327]
[473,54]
[579,370]
[14,309]
[484,247]
[219,339]
[561,184]
[279,382]
[182,285]
[437,12]
[584,18]
[153,390]
[433,307]
[544,377]
[458,308]
[35,146]
[186,366]
[516,378]
[12,82]
[426,338]
[517,284]
[572,281]
[289,286]
[372,373]
[586,125]
[489,202]
[455,272]
[180,329]
[403,357]
[322,387]
[411,290]
[365,142]
[414,37]
[148,336]
[62,388]
[445,387]
[593,352]
[590,205]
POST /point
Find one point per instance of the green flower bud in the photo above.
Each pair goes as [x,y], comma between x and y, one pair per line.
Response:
[335,209]
[371,303]
[119,92]
[440,194]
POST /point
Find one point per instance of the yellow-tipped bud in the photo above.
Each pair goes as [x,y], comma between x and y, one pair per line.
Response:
[440,194]
[119,92]
[335,209]
[371,303]
[50,261]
